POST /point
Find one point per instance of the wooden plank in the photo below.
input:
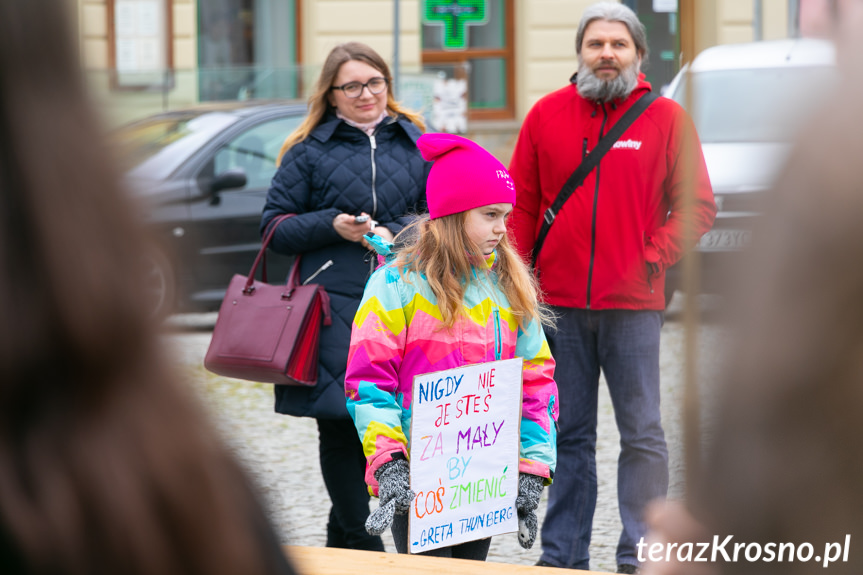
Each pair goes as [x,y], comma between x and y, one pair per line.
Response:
[330,561]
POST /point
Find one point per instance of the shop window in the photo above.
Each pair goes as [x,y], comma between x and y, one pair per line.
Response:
[248,49]
[473,40]
[139,46]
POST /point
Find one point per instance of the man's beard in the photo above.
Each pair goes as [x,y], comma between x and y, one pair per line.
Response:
[593,88]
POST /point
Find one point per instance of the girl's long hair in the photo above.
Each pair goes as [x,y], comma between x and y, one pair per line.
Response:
[442,251]
[319,104]
[106,464]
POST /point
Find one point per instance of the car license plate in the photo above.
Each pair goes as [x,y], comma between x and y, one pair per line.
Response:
[723,240]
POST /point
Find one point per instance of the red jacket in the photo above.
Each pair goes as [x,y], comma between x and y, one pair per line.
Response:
[629,211]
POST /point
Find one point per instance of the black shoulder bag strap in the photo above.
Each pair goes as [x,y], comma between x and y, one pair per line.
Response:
[590,161]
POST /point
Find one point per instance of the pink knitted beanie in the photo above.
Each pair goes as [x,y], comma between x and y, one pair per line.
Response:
[464,175]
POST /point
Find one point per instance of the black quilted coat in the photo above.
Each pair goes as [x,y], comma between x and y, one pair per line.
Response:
[338,168]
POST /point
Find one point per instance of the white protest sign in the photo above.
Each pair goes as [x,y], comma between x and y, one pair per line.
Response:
[464,454]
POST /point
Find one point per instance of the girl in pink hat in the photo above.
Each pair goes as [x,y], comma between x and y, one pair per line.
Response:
[419,314]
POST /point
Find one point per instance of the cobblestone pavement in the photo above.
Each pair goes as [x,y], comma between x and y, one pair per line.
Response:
[280,452]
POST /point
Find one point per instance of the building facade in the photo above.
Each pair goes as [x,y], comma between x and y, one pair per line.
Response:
[497,56]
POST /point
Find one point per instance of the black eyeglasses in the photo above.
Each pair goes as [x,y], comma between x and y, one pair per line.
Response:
[354,89]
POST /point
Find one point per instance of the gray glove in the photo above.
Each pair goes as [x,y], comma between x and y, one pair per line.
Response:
[529,490]
[394,490]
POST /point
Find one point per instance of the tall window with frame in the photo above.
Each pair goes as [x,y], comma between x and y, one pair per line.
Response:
[248,49]
[473,40]
[140,51]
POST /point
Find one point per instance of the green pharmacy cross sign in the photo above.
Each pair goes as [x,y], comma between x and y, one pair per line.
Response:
[455,16]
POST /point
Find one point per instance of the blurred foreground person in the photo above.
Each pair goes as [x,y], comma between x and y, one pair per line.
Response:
[106,466]
[783,474]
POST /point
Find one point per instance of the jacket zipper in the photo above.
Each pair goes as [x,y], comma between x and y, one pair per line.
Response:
[327,264]
[498,343]
[649,280]
[593,220]
[551,418]
[374,176]
[374,146]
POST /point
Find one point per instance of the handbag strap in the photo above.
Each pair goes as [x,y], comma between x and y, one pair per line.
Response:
[270,231]
[587,165]
[294,282]
[293,275]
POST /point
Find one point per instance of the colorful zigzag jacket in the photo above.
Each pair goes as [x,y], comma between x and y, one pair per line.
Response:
[398,333]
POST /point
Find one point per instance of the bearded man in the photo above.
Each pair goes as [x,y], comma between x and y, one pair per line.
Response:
[602,269]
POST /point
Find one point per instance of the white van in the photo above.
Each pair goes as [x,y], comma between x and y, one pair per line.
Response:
[749,101]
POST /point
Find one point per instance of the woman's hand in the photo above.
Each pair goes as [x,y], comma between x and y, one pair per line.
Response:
[347,227]
[379,231]
[383,232]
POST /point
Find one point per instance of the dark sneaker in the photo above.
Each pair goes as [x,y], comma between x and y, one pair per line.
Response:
[627,568]
[542,563]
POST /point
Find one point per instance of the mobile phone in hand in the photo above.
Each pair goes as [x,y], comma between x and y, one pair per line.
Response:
[361,219]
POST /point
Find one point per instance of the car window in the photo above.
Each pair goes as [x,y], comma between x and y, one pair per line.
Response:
[755,105]
[155,147]
[255,151]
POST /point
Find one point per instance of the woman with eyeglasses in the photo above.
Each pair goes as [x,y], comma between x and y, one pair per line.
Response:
[352,167]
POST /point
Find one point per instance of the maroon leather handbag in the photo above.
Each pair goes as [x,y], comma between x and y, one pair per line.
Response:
[269,333]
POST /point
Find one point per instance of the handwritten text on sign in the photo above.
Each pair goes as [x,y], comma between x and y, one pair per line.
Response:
[464,454]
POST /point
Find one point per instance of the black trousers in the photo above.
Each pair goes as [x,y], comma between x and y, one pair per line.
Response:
[343,467]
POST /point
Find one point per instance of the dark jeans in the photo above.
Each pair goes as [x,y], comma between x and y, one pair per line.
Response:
[343,467]
[474,550]
[624,345]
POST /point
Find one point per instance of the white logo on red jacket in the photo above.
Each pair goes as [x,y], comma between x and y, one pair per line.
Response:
[627,145]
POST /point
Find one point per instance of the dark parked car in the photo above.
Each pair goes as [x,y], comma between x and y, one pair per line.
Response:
[202,175]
